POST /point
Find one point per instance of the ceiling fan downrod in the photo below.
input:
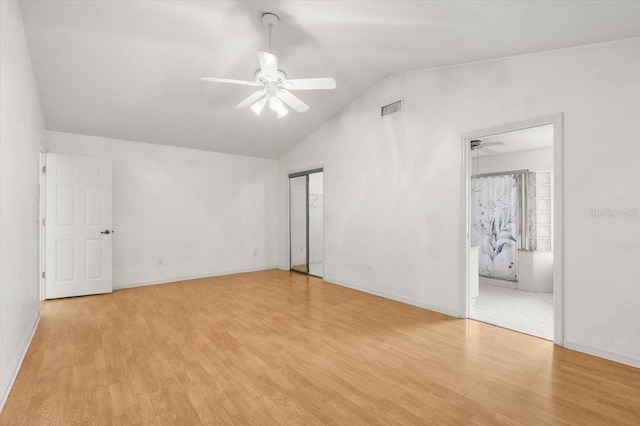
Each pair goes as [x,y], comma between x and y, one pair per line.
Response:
[270,20]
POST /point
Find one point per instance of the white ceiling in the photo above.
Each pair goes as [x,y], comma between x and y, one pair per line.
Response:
[130,69]
[519,140]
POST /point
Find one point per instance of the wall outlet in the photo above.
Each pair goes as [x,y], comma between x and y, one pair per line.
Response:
[255,252]
[160,261]
[369,268]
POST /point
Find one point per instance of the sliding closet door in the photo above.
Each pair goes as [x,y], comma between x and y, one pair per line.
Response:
[306,226]
[298,223]
[316,222]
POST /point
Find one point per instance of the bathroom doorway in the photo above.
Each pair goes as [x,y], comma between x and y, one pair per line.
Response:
[513,227]
[306,222]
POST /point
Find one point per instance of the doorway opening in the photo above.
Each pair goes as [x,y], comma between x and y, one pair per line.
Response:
[514,227]
[306,222]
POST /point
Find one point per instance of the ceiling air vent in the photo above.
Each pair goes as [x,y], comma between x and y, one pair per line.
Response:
[391,108]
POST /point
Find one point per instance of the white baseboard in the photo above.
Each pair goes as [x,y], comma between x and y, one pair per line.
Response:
[24,353]
[570,344]
[498,283]
[192,277]
[397,298]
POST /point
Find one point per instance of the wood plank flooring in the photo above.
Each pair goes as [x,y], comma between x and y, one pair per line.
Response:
[282,348]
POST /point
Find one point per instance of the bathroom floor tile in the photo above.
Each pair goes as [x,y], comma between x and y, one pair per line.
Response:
[527,312]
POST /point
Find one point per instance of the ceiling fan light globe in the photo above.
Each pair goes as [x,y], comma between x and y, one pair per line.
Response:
[258,106]
[275,104]
[282,111]
[270,91]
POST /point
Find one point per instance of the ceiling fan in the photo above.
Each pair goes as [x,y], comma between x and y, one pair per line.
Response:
[478,144]
[273,83]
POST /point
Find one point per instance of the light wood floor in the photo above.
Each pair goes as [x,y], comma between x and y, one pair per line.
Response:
[281,348]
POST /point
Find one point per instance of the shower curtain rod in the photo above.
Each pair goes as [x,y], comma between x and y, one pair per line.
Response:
[511,172]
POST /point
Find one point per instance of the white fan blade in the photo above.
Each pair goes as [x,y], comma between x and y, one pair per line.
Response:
[325,83]
[268,64]
[292,100]
[254,97]
[230,80]
[488,151]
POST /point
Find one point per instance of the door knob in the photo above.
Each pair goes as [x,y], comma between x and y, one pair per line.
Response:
[107,232]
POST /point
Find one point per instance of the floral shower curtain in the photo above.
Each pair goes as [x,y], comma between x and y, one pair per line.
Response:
[494,226]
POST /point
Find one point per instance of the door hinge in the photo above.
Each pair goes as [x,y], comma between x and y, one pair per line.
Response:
[44,275]
[44,169]
[44,222]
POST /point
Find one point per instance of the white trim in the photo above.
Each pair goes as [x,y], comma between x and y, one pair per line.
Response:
[466,178]
[402,299]
[558,215]
[558,229]
[633,362]
[192,277]
[42,235]
[24,353]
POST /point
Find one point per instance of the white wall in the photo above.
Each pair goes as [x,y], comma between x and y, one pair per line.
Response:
[21,132]
[201,213]
[535,271]
[394,186]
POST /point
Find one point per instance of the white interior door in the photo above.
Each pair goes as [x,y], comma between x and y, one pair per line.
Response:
[78,226]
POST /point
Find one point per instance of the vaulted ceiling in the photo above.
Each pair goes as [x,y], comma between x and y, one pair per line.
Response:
[130,69]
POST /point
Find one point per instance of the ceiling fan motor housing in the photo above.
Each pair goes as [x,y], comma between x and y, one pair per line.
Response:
[265,79]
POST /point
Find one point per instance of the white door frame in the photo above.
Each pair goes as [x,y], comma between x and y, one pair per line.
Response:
[558,210]
[300,173]
[288,211]
[42,206]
